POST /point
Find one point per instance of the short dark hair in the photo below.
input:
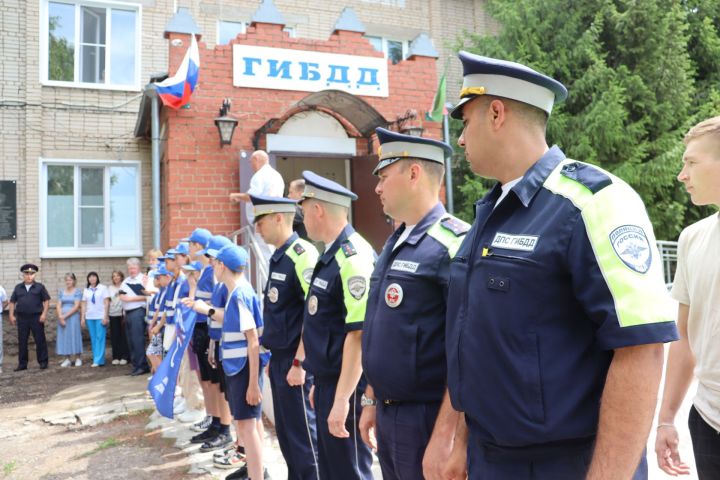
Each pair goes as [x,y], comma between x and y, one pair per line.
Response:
[90,275]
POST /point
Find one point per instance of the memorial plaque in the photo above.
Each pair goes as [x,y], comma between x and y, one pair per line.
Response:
[8,209]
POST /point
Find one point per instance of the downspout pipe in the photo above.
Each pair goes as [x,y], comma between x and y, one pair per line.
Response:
[155,138]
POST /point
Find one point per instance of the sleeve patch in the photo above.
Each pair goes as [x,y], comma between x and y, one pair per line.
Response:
[456,226]
[357,286]
[586,175]
[348,248]
[298,249]
[632,246]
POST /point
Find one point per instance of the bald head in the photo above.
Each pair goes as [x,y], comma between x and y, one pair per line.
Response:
[258,159]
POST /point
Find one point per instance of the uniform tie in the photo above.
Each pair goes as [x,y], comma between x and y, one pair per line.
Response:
[93,296]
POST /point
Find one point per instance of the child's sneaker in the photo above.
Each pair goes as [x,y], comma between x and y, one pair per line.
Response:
[65,363]
[233,459]
[202,425]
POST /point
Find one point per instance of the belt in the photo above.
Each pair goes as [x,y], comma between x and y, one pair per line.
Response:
[389,402]
[134,309]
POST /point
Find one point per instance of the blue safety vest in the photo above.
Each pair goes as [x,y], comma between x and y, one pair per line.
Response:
[204,289]
[233,346]
[218,301]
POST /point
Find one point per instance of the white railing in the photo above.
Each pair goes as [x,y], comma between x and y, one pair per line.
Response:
[668,256]
[257,270]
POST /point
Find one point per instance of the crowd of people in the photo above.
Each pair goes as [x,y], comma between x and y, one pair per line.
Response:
[528,345]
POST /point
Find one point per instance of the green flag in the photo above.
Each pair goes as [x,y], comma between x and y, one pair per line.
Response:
[438,107]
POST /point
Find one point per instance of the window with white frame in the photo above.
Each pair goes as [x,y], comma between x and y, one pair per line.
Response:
[91,44]
[228,30]
[90,208]
[394,50]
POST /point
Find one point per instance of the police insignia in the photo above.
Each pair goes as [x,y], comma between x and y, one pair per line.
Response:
[348,249]
[298,249]
[632,246]
[456,226]
[273,295]
[393,295]
[307,275]
[357,286]
[312,305]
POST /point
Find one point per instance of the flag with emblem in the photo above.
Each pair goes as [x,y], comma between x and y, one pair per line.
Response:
[162,384]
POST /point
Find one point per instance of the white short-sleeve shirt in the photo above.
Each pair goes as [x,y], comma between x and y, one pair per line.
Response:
[3,298]
[266,181]
[95,309]
[697,284]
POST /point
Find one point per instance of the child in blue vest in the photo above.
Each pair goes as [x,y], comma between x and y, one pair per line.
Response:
[240,353]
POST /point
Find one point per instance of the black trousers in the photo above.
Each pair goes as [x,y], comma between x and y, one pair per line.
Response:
[706,446]
[118,340]
[135,331]
[26,324]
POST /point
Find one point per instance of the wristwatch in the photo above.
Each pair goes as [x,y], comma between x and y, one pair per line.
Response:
[211,312]
[367,401]
[297,362]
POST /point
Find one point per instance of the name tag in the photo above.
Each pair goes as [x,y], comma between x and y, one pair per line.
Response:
[404,266]
[524,243]
[320,283]
[280,277]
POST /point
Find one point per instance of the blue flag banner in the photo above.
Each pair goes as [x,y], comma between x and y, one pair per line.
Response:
[162,384]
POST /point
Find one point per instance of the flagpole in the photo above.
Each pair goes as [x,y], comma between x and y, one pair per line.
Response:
[448,163]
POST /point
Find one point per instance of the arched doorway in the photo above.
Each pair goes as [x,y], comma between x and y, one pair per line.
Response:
[329,133]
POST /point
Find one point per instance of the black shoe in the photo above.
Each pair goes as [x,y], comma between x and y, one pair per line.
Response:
[43,366]
[20,368]
[218,442]
[242,474]
[203,437]
[139,371]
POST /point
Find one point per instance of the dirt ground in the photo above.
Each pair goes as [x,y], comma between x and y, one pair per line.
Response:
[121,449]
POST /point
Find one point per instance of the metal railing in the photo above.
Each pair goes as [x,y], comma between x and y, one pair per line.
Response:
[257,270]
[668,256]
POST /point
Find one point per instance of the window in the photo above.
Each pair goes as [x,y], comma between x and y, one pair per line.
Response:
[91,45]
[90,209]
[394,50]
[228,31]
[291,31]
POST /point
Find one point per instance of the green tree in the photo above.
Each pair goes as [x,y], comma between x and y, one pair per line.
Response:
[61,54]
[639,75]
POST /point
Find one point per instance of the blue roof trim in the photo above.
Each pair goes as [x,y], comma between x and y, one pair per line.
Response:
[268,13]
[182,22]
[349,22]
[422,46]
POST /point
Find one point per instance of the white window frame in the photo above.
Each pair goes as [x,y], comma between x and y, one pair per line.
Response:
[44,37]
[217,29]
[88,252]
[385,40]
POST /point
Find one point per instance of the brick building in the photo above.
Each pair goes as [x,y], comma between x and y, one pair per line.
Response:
[76,113]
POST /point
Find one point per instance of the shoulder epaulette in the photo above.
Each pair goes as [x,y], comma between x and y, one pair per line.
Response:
[456,226]
[587,175]
[298,249]
[348,248]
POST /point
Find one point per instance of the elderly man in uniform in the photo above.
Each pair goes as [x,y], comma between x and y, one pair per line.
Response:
[332,328]
[404,333]
[557,310]
[29,305]
[291,266]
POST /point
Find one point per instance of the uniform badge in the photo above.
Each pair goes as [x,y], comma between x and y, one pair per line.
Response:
[357,286]
[273,295]
[348,249]
[312,305]
[307,275]
[632,246]
[393,295]
[298,249]
[455,225]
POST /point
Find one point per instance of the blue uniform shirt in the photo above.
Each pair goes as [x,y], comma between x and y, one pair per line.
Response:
[547,283]
[403,342]
[242,313]
[218,300]
[291,268]
[336,302]
[204,289]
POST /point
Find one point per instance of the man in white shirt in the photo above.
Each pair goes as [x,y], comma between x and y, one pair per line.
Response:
[266,181]
[134,306]
[697,289]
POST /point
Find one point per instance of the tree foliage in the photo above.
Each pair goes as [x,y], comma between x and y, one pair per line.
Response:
[639,73]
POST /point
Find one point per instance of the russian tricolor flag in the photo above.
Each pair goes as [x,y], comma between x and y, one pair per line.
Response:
[176,90]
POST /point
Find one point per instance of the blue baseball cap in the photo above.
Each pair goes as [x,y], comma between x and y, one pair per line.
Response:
[161,270]
[183,248]
[324,189]
[501,78]
[215,244]
[201,236]
[233,257]
[169,255]
[193,266]
[397,146]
